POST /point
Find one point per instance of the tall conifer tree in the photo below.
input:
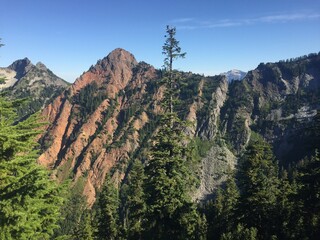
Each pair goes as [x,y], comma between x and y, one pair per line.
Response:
[134,204]
[170,212]
[259,184]
[108,211]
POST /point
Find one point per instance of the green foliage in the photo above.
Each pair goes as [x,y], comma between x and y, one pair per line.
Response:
[240,233]
[309,196]
[84,231]
[29,200]
[222,214]
[170,212]
[107,214]
[71,216]
[133,202]
[259,184]
[269,206]
[89,98]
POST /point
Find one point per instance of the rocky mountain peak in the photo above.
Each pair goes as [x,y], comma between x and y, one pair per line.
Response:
[234,74]
[121,55]
[21,67]
[113,72]
[118,58]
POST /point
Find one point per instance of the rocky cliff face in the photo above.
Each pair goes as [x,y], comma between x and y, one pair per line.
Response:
[106,118]
[35,82]
[275,100]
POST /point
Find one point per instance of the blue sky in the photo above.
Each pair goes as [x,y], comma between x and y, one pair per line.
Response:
[71,35]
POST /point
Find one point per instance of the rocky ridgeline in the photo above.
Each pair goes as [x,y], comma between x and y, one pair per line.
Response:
[34,82]
[108,115]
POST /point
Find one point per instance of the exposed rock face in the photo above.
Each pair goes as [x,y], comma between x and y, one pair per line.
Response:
[8,77]
[107,117]
[210,127]
[214,169]
[91,143]
[36,82]
[268,98]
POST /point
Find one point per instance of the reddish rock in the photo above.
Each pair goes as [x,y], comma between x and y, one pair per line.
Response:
[91,147]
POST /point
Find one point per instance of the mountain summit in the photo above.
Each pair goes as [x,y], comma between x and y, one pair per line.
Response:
[234,74]
[35,82]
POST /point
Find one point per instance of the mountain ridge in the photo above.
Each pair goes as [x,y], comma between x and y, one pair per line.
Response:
[37,83]
[106,118]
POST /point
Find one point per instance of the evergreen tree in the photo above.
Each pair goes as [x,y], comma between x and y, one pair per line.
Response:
[259,184]
[240,233]
[172,51]
[84,230]
[29,200]
[309,197]
[225,209]
[134,203]
[71,216]
[287,213]
[170,212]
[107,211]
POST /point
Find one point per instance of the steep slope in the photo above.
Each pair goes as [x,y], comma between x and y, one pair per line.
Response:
[107,117]
[86,138]
[35,82]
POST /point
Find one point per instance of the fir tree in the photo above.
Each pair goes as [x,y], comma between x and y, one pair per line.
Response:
[225,209]
[84,230]
[170,212]
[309,197]
[287,213]
[259,184]
[172,51]
[134,203]
[71,216]
[29,200]
[107,211]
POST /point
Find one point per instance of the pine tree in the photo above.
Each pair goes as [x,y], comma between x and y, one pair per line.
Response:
[29,200]
[259,184]
[107,211]
[170,212]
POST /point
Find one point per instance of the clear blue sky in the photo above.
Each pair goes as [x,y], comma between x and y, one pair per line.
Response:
[71,35]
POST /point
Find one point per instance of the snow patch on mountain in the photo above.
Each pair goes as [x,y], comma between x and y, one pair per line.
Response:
[234,75]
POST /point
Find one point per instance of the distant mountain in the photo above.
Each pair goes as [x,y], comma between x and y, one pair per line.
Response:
[234,75]
[22,79]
